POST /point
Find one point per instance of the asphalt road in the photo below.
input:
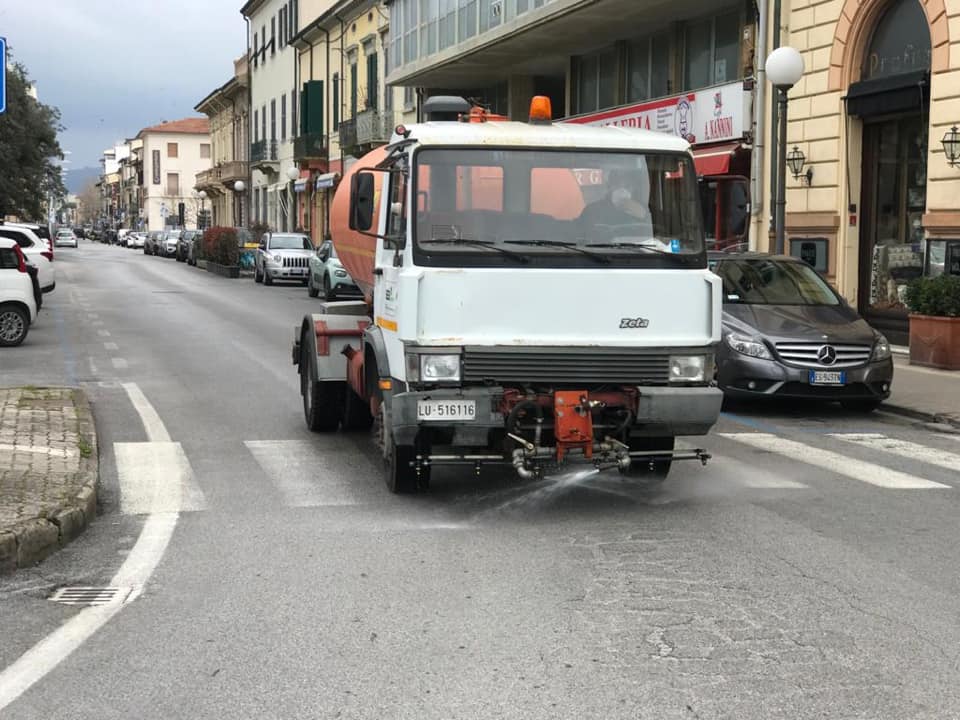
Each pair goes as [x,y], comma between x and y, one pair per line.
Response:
[809,571]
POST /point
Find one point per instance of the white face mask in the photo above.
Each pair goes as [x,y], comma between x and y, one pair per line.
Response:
[619,196]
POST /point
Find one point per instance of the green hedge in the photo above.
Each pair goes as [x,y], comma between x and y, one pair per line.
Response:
[938,296]
[220,245]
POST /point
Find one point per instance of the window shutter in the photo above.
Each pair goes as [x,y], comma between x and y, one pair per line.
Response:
[314,107]
[304,109]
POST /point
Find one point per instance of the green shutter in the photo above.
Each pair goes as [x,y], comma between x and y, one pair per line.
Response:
[314,109]
[303,110]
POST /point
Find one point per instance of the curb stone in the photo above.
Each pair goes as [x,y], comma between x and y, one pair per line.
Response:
[947,423]
[30,541]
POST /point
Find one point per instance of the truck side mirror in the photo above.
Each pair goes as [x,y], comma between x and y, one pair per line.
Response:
[362,190]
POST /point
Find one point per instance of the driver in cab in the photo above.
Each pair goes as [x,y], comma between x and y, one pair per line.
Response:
[625,204]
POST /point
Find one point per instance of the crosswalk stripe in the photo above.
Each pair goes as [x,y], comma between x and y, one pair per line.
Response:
[834,462]
[156,477]
[305,474]
[903,448]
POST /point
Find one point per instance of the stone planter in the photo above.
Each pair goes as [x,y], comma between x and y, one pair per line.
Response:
[935,341]
[227,271]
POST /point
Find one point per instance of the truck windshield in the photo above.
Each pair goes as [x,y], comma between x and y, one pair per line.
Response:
[556,207]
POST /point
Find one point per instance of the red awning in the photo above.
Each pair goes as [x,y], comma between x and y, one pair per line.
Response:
[714,159]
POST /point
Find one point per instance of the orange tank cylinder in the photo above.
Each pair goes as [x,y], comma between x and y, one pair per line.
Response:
[355,250]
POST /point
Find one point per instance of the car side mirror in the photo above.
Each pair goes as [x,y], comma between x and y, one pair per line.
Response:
[263,246]
[362,191]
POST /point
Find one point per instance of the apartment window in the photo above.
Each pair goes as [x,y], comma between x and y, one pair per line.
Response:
[273,35]
[204,151]
[283,117]
[410,25]
[467,18]
[712,51]
[373,77]
[263,122]
[596,77]
[396,46]
[387,90]
[284,27]
[256,126]
[336,101]
[409,98]
[263,40]
[353,87]
[648,68]
[273,120]
[294,17]
[256,49]
[173,150]
[173,184]
[293,113]
[429,12]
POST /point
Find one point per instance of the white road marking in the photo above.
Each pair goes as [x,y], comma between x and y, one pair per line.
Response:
[136,570]
[103,333]
[904,449]
[93,316]
[110,346]
[38,449]
[834,462]
[96,322]
[119,363]
[155,477]
[305,474]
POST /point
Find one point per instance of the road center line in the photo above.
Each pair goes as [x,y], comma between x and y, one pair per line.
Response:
[136,570]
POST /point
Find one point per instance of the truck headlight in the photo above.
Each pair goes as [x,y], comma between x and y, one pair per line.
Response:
[881,348]
[434,368]
[750,346]
[688,368]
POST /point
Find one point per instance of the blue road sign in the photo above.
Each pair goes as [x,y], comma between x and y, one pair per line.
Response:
[3,75]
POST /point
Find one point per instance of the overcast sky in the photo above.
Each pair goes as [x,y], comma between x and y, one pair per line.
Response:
[114,67]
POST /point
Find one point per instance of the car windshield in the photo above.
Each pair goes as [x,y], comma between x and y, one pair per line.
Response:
[289,242]
[768,281]
[552,205]
[173,235]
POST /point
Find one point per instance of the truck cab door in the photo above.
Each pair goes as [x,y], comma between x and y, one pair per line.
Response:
[393,225]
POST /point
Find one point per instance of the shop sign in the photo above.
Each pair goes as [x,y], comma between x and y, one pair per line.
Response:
[716,114]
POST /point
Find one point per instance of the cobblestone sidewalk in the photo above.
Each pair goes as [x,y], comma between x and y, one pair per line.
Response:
[48,471]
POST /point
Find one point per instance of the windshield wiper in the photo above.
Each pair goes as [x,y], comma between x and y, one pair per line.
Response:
[566,245]
[478,243]
[636,246]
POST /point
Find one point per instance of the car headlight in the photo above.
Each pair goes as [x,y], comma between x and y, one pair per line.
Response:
[881,348]
[688,368]
[276,258]
[429,368]
[750,346]
[340,273]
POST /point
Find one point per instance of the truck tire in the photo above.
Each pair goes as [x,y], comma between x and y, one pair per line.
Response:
[648,474]
[399,476]
[322,401]
[356,413]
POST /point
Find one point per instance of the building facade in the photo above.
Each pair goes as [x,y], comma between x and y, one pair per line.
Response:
[274,101]
[346,108]
[228,108]
[881,88]
[174,153]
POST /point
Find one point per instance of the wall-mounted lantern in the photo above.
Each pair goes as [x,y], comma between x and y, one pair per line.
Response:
[951,146]
[795,161]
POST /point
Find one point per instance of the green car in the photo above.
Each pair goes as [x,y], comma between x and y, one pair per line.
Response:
[327,275]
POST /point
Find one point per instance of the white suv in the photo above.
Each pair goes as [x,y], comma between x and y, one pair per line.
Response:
[17,307]
[36,250]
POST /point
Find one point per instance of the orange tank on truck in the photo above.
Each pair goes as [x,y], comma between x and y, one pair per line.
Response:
[556,192]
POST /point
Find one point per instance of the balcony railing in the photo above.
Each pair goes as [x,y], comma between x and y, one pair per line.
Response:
[263,151]
[374,127]
[233,170]
[312,146]
[348,133]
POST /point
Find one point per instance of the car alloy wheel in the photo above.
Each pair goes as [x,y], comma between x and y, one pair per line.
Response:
[14,324]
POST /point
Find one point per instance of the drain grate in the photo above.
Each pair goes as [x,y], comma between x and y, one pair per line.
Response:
[93,595]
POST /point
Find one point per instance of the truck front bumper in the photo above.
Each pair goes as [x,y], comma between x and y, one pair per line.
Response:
[662,411]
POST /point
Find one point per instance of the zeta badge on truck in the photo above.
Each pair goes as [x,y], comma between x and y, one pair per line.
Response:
[634,323]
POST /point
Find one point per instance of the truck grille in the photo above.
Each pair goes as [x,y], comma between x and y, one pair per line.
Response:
[808,354]
[289,262]
[593,366]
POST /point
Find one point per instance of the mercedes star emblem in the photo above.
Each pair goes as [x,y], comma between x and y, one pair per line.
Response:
[827,355]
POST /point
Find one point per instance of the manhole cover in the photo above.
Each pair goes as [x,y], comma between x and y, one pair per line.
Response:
[92,595]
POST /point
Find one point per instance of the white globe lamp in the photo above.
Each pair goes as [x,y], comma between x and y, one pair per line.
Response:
[784,68]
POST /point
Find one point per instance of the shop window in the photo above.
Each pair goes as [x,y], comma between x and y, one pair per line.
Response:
[648,68]
[597,80]
[712,51]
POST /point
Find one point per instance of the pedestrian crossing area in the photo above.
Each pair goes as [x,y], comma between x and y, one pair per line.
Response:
[339,472]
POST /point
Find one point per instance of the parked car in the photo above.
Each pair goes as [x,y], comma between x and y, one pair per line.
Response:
[328,275]
[152,241]
[283,256]
[36,250]
[167,244]
[136,240]
[787,333]
[65,238]
[183,244]
[18,307]
[41,231]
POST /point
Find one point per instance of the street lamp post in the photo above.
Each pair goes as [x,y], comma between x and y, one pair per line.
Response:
[784,69]
[238,187]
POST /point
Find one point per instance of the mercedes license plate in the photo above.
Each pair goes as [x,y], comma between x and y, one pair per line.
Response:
[827,377]
[438,410]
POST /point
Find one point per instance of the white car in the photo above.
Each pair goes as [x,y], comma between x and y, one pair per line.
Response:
[18,309]
[65,238]
[37,250]
[136,240]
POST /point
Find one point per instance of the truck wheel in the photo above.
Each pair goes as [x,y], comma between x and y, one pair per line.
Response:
[650,474]
[399,475]
[356,413]
[322,401]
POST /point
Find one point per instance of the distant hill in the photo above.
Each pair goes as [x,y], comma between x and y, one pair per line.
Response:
[77,178]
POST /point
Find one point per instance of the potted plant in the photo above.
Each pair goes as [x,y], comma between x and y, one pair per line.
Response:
[934,304]
[221,251]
